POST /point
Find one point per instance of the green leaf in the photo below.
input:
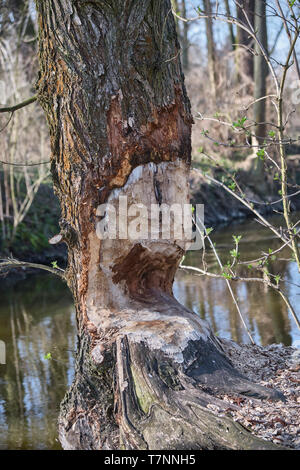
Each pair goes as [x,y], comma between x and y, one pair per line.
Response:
[277,278]
[272,134]
[227,275]
[48,356]
[237,238]
[261,153]
[239,124]
[234,253]
[54,264]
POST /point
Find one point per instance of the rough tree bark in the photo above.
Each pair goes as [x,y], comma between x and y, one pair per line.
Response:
[112,89]
[185,39]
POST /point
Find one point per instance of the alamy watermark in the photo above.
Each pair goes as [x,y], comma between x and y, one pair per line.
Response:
[176,222]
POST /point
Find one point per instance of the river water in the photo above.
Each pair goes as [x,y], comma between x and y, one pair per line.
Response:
[37,317]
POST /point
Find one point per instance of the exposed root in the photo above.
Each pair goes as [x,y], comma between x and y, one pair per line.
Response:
[156,401]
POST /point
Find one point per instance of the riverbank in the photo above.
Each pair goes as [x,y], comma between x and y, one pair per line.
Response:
[272,366]
[220,209]
[31,241]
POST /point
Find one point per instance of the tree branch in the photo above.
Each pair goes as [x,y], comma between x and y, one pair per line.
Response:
[10,263]
[25,164]
[12,109]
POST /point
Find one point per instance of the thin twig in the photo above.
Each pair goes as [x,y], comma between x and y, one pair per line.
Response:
[245,203]
[202,272]
[12,109]
[25,164]
[11,263]
[227,281]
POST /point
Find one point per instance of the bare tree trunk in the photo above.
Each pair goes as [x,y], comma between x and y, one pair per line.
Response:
[260,70]
[112,89]
[20,10]
[211,49]
[260,90]
[230,25]
[244,61]
[175,7]
[182,29]
[185,40]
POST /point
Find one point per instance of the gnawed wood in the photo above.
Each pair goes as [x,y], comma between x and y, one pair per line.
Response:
[56,239]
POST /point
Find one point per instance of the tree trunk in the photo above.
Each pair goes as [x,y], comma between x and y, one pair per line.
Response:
[182,29]
[211,49]
[244,61]
[260,90]
[230,25]
[260,70]
[112,89]
[185,39]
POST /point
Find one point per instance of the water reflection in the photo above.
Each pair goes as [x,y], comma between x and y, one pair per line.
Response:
[37,317]
[265,311]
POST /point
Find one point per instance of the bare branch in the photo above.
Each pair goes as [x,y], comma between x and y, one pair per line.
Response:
[12,109]
[11,263]
[201,272]
[25,164]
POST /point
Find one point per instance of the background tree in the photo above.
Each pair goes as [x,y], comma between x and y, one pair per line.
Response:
[24,140]
[260,71]
[211,49]
[182,32]
[260,88]
[244,57]
[230,25]
[185,39]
